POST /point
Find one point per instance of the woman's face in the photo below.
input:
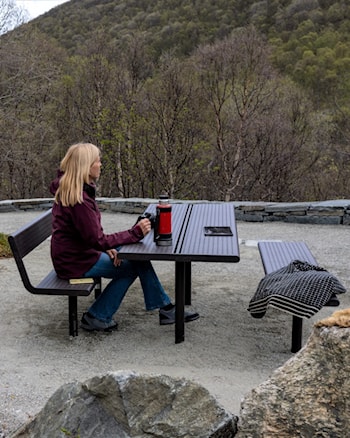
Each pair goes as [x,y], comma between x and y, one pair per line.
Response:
[95,170]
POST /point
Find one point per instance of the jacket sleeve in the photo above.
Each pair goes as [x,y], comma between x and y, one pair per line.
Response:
[87,221]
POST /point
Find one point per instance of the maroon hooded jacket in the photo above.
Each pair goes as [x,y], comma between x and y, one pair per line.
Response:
[77,235]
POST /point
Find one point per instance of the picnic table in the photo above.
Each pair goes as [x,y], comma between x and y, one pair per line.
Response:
[191,242]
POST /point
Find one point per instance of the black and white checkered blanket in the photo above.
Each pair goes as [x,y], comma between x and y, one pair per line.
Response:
[299,288]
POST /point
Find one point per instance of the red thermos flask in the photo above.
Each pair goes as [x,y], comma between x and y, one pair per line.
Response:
[162,229]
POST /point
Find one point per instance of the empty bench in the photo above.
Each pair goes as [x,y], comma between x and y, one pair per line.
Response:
[276,255]
[25,240]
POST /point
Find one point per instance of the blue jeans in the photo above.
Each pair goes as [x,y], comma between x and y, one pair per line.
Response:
[122,277]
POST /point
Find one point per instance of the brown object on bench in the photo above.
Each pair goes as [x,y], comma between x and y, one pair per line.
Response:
[276,255]
[25,240]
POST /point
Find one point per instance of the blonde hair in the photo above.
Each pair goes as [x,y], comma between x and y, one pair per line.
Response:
[75,166]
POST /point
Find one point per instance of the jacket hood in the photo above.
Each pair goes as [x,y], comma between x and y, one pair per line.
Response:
[55,183]
[90,189]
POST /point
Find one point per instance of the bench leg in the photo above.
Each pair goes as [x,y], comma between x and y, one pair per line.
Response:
[98,287]
[297,333]
[73,315]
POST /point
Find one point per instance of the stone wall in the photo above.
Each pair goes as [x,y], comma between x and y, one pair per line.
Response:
[333,212]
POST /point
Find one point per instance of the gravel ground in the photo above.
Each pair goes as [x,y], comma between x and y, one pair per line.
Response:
[226,350]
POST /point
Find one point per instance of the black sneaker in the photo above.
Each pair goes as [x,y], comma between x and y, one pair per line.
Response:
[88,322]
[168,316]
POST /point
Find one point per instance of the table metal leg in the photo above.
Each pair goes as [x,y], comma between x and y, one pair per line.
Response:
[180,287]
[188,285]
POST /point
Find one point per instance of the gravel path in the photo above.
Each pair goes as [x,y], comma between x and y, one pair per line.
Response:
[226,350]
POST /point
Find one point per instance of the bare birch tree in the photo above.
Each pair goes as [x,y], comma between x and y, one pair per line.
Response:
[174,127]
[11,15]
[235,77]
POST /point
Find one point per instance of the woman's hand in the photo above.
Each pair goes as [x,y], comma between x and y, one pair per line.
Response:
[113,254]
[145,225]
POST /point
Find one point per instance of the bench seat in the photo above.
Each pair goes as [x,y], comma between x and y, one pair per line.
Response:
[277,254]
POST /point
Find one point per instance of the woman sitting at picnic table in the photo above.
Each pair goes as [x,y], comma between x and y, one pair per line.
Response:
[80,248]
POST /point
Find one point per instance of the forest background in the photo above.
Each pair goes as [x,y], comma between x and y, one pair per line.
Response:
[205,99]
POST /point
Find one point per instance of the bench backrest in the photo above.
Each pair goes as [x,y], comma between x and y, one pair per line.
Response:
[23,241]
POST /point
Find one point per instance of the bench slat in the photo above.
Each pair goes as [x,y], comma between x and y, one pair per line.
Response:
[277,255]
[53,285]
[31,235]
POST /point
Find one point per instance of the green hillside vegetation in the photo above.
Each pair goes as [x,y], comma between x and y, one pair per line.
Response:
[311,38]
[225,100]
[164,24]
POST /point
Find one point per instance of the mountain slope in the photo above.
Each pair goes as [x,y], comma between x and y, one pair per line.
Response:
[164,24]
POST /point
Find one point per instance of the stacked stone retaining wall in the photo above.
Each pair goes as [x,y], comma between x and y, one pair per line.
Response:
[333,212]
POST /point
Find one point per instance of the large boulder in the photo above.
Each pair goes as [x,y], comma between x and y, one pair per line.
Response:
[309,396]
[127,404]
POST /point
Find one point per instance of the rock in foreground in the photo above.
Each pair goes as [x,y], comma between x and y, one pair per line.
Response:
[127,404]
[309,396]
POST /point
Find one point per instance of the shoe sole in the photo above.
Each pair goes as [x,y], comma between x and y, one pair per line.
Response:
[93,329]
[86,326]
[166,322]
[172,321]
[192,317]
